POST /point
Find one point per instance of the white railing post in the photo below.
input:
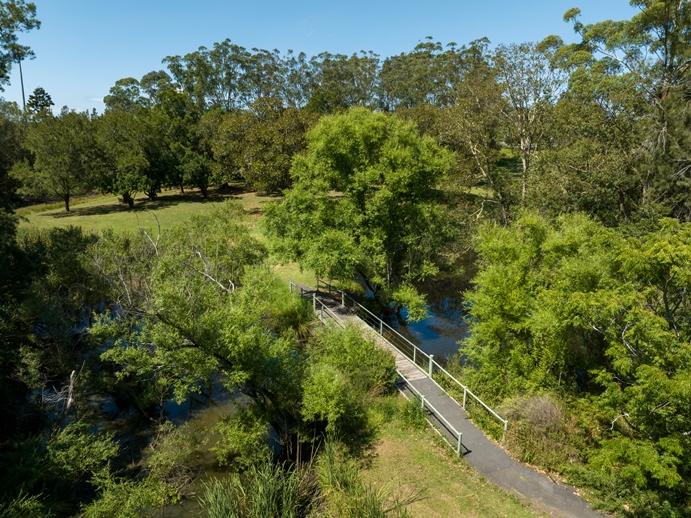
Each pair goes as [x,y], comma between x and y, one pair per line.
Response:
[422,402]
[342,299]
[314,302]
[414,354]
[458,446]
[465,393]
[431,364]
[381,326]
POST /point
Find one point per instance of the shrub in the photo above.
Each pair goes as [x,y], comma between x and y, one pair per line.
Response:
[328,397]
[368,367]
[172,455]
[75,452]
[413,415]
[243,441]
[540,432]
[122,498]
[24,506]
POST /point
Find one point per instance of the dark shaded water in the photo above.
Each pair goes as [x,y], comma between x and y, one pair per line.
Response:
[446,322]
[440,332]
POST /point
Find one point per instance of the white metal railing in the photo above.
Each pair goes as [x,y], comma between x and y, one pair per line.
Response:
[323,311]
[318,306]
[425,404]
[424,361]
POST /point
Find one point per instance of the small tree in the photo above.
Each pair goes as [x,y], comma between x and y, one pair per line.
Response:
[39,102]
[64,157]
[121,136]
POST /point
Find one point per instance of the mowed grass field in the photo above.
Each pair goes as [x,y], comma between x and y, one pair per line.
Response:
[98,213]
[101,212]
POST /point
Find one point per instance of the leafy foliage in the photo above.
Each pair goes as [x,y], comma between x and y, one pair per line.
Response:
[364,202]
[65,160]
[16,16]
[244,438]
[126,498]
[577,307]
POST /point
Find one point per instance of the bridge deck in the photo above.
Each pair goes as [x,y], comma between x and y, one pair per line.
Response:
[483,454]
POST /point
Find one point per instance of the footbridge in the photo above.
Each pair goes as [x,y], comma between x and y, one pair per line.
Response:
[448,405]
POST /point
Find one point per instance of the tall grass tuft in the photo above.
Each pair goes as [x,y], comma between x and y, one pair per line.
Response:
[265,490]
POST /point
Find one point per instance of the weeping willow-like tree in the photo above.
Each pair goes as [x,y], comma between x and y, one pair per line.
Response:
[365,205]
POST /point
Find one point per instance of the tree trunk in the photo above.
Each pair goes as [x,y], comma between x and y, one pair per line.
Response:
[205,191]
[526,146]
[182,188]
[128,199]
[67,202]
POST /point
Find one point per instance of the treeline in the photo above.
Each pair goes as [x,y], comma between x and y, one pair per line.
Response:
[599,126]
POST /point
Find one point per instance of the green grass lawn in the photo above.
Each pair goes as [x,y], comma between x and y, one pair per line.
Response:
[408,461]
[101,212]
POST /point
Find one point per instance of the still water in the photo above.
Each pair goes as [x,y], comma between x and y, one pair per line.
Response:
[440,332]
[446,323]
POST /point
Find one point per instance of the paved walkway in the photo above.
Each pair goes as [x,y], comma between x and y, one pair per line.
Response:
[479,451]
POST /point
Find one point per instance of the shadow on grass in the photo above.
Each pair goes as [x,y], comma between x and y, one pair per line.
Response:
[143,204]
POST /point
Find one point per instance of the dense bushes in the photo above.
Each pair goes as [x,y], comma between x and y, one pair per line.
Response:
[344,370]
[600,320]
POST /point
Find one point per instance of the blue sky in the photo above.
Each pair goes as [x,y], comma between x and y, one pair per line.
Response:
[84,46]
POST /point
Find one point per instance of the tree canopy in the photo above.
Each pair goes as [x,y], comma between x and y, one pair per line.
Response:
[364,202]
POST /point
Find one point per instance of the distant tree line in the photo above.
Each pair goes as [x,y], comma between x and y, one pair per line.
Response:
[600,125]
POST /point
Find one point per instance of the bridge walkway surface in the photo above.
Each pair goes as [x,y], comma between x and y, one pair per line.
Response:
[451,421]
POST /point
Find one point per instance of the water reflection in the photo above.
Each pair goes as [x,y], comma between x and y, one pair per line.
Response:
[440,332]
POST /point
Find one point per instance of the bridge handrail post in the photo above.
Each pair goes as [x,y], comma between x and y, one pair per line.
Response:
[422,401]
[314,302]
[458,446]
[431,365]
[465,393]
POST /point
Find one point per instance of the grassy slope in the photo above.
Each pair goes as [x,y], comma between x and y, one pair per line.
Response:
[403,460]
[406,460]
